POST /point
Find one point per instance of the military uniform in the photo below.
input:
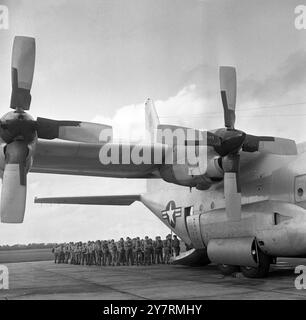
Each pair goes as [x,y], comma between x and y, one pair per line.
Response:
[83,254]
[167,250]
[56,254]
[148,251]
[61,255]
[176,246]
[114,253]
[159,250]
[129,251]
[121,252]
[138,252]
[106,254]
[97,253]
[67,253]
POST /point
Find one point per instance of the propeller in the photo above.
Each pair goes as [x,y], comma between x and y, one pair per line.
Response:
[14,183]
[233,141]
[19,132]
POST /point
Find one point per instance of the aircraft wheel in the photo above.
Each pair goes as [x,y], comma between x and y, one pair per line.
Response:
[227,269]
[261,271]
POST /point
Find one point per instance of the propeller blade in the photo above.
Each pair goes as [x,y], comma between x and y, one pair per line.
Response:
[232,192]
[228,88]
[273,145]
[23,62]
[73,131]
[14,184]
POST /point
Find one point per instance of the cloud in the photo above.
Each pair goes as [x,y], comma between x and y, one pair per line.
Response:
[198,103]
[288,81]
[128,121]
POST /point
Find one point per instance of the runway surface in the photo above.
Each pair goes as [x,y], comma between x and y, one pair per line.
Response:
[46,280]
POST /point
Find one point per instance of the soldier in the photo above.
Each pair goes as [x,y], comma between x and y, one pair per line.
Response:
[151,251]
[176,245]
[142,241]
[167,250]
[110,258]
[154,251]
[75,253]
[134,250]
[97,252]
[159,250]
[129,251]
[61,254]
[106,254]
[93,253]
[102,252]
[71,249]
[138,253]
[87,254]
[121,251]
[75,250]
[114,252]
[79,253]
[148,248]
[55,251]
[83,254]
[66,252]
[90,253]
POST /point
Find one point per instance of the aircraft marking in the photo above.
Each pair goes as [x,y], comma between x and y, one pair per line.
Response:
[171,213]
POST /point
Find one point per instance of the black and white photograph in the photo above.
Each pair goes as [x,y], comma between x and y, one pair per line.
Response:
[153,150]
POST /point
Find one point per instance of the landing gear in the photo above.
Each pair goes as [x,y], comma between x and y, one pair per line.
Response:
[261,271]
[227,269]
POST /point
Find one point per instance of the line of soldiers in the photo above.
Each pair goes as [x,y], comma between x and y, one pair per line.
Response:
[123,252]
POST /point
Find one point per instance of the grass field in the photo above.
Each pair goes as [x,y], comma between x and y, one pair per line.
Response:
[26,255]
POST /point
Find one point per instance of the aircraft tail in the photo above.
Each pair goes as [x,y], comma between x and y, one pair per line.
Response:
[151,121]
[151,124]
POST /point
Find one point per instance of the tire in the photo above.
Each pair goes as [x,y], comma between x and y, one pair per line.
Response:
[261,271]
[227,269]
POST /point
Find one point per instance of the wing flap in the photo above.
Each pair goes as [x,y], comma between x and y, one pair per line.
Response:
[118,200]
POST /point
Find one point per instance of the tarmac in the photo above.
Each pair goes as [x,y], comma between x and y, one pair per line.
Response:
[46,280]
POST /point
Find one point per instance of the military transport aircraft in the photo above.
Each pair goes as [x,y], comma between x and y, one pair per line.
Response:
[241,209]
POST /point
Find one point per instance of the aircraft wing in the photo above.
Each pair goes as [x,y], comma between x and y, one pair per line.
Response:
[118,200]
[85,159]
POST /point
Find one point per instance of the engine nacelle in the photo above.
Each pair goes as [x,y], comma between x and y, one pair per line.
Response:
[181,174]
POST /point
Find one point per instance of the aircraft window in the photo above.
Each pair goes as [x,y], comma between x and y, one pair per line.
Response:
[276,218]
[189,211]
[300,192]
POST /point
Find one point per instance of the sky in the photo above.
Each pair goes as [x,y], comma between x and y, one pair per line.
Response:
[100,60]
